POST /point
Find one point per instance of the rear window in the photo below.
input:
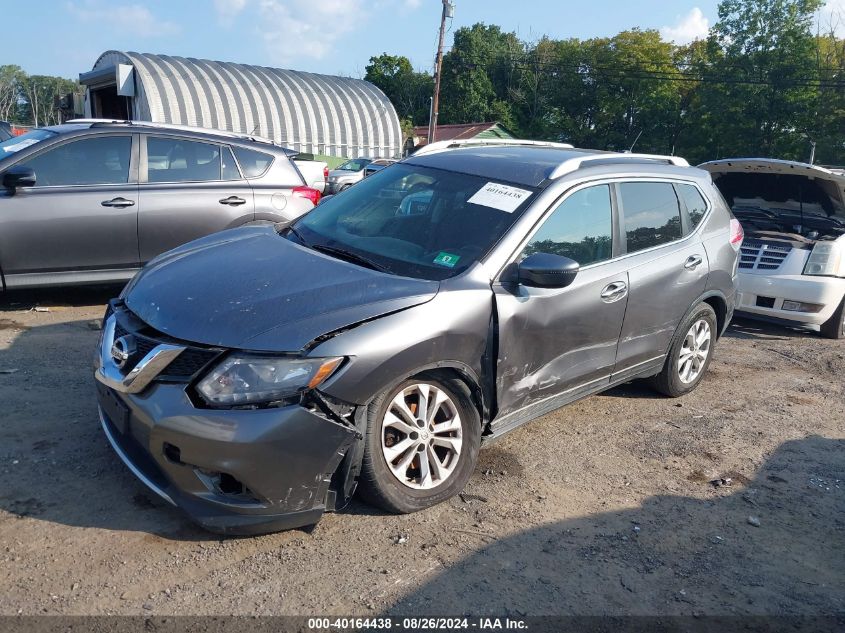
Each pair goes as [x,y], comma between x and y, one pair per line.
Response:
[696,206]
[652,214]
[253,163]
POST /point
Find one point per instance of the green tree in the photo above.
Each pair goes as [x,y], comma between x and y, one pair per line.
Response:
[479,74]
[763,77]
[408,90]
[11,80]
[40,95]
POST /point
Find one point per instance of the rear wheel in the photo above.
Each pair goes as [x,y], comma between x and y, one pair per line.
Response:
[834,327]
[421,445]
[690,353]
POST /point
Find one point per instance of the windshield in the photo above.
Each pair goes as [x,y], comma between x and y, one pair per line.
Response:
[356,164]
[415,221]
[17,143]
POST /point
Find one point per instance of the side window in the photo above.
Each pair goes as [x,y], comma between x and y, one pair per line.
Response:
[652,214]
[178,160]
[230,167]
[100,160]
[696,207]
[580,228]
[252,163]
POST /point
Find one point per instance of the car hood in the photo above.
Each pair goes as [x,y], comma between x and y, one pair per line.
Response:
[832,183]
[251,288]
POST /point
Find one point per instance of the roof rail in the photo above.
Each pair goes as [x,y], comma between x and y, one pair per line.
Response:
[573,164]
[174,126]
[440,146]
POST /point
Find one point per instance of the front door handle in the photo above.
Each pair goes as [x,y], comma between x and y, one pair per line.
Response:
[118,203]
[614,291]
[693,262]
[233,201]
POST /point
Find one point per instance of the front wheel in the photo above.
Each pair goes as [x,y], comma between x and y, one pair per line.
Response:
[421,445]
[690,353]
[834,327]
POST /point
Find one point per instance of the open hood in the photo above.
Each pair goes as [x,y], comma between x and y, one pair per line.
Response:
[830,182]
[781,196]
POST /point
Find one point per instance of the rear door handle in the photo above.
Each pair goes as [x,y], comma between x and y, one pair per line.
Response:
[118,203]
[232,201]
[614,291]
[693,262]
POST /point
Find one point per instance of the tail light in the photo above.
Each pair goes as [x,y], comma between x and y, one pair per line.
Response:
[326,173]
[308,193]
[736,234]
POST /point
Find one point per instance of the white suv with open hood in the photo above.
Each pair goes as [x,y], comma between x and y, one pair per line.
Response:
[792,264]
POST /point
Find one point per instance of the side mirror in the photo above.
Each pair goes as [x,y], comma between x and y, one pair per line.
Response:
[15,177]
[544,270]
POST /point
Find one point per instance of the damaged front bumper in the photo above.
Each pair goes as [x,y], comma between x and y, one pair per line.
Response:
[235,471]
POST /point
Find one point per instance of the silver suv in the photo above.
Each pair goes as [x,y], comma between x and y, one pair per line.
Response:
[93,201]
[256,377]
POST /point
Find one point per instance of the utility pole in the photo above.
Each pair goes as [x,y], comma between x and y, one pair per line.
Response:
[448,12]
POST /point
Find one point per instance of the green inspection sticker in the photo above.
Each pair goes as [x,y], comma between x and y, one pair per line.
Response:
[446,259]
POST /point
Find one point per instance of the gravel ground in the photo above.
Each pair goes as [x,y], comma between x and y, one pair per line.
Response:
[603,507]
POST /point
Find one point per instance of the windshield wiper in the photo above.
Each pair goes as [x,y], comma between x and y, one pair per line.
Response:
[349,256]
[298,236]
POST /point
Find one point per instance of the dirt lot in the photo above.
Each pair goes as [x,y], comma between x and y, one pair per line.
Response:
[602,507]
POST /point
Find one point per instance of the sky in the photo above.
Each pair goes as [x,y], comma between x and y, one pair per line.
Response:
[65,37]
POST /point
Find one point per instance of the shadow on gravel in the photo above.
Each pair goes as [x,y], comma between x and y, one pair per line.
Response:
[55,463]
[775,547]
[13,300]
[745,328]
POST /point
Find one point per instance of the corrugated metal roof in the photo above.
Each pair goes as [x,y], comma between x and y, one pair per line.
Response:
[319,114]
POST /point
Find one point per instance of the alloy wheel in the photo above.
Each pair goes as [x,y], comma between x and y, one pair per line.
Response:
[694,351]
[421,436]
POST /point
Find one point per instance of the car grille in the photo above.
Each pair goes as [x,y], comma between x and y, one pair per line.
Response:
[185,366]
[760,255]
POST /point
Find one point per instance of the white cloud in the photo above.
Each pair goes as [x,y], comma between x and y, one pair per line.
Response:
[413,4]
[295,28]
[134,18]
[692,26]
[832,16]
[228,9]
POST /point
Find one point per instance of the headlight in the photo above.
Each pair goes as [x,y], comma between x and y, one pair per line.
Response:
[246,379]
[824,259]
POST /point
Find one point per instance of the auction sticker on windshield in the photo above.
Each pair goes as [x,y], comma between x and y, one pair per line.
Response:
[446,259]
[501,197]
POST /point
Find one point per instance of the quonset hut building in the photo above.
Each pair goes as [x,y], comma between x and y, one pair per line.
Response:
[307,112]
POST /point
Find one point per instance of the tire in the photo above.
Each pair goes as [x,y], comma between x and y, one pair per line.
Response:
[400,485]
[834,327]
[676,379]
[344,188]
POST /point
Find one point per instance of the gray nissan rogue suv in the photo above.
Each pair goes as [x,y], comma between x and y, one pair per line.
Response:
[256,377]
